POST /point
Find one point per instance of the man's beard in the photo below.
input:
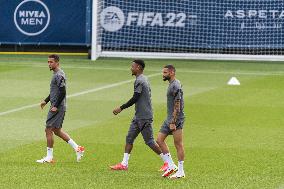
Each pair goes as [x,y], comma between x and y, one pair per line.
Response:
[166,78]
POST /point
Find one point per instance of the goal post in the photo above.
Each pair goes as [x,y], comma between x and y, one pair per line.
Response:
[175,29]
[94,42]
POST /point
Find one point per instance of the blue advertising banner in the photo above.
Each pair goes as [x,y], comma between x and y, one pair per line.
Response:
[183,24]
[45,22]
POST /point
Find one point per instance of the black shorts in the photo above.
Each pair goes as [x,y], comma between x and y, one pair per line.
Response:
[144,127]
[55,119]
[166,126]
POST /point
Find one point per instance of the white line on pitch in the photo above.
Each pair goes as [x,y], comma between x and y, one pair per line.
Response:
[77,94]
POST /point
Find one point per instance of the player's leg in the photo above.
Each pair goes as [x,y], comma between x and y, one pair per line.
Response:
[165,151]
[51,116]
[60,133]
[133,132]
[147,133]
[49,149]
[170,167]
[49,137]
[155,147]
[128,148]
[146,129]
[50,142]
[57,129]
[178,141]
[64,136]
[161,142]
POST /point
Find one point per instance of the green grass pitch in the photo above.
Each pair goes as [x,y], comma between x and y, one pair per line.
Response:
[233,135]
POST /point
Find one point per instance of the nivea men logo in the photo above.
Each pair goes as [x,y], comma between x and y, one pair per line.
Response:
[252,14]
[31,17]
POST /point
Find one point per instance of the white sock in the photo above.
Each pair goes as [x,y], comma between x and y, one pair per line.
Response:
[169,159]
[180,166]
[125,159]
[49,152]
[163,157]
[73,144]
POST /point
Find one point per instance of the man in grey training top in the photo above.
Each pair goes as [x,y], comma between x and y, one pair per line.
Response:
[56,113]
[142,121]
[173,125]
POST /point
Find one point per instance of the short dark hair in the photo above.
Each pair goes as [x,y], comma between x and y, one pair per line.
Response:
[170,67]
[54,56]
[140,63]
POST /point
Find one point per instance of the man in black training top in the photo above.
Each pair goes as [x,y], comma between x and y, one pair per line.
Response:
[143,118]
[56,113]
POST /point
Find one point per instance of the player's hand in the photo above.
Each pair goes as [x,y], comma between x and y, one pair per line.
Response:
[173,126]
[42,104]
[53,109]
[116,111]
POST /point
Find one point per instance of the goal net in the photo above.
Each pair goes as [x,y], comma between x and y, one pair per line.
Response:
[197,29]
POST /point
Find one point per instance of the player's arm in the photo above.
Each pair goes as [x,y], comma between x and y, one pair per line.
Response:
[47,99]
[44,102]
[61,96]
[176,110]
[60,81]
[129,103]
[137,93]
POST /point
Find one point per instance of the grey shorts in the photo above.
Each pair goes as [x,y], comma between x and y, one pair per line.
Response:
[55,119]
[166,126]
[141,126]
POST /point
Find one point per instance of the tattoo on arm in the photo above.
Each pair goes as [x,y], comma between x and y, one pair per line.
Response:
[176,111]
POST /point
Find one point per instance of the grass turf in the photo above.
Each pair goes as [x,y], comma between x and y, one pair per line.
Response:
[233,136]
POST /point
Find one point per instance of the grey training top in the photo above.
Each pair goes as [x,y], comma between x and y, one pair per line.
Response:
[143,107]
[58,80]
[175,92]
